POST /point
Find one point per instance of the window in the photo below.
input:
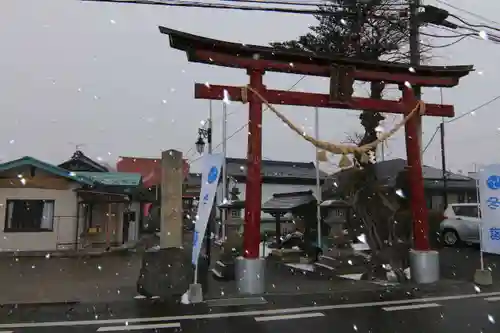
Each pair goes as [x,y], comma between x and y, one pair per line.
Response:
[235,213]
[437,202]
[468,211]
[472,197]
[29,216]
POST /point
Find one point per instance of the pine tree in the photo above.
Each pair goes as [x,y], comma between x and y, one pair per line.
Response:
[375,30]
[370,30]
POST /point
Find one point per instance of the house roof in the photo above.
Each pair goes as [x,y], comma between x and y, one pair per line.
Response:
[47,167]
[193,179]
[113,178]
[387,172]
[279,202]
[149,168]
[88,163]
[285,202]
[237,167]
[235,204]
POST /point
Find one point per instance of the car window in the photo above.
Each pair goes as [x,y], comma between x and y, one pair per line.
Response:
[467,211]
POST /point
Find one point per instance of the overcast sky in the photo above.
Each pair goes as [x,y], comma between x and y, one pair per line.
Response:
[102,75]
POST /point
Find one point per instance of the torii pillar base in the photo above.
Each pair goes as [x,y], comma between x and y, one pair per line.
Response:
[424,266]
[250,275]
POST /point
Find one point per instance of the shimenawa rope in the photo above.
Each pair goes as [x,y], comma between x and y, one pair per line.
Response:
[334,148]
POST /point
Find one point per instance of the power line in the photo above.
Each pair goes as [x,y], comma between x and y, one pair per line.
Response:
[457,35]
[193,4]
[198,4]
[476,34]
[444,45]
[474,25]
[494,99]
[288,3]
[437,17]
[467,12]
[431,139]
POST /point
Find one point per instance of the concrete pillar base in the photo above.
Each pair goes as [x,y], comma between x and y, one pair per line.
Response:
[483,277]
[424,266]
[195,293]
[250,275]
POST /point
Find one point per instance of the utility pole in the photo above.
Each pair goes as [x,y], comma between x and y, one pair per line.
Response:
[443,159]
[443,166]
[359,28]
[415,37]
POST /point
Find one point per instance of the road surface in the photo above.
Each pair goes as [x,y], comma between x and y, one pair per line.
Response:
[370,311]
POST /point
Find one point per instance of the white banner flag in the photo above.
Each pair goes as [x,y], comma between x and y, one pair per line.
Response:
[212,164]
[489,192]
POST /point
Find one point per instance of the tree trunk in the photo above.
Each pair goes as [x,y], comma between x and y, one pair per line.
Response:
[375,209]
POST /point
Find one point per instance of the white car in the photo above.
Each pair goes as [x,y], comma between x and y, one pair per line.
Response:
[461,224]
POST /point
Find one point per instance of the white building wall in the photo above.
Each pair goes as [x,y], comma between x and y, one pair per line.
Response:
[64,231]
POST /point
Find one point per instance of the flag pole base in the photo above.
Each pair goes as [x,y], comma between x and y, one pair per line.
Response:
[483,277]
[195,293]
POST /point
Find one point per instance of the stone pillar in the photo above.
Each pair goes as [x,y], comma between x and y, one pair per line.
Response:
[171,199]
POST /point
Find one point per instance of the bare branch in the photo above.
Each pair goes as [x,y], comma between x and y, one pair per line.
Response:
[354,138]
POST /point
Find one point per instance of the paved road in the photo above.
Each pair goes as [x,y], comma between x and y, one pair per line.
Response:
[52,279]
[370,311]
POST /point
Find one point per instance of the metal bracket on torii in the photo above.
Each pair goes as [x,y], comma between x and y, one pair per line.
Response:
[343,72]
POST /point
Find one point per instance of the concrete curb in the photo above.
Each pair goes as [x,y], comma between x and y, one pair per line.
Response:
[66,253]
[38,304]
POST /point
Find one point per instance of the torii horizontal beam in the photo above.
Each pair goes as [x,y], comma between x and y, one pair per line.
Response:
[257,57]
[281,97]
[220,59]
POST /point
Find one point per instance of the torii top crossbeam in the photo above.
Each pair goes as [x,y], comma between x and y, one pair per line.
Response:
[207,50]
[216,52]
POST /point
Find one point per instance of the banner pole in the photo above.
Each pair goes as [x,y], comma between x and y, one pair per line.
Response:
[318,181]
[195,274]
[481,255]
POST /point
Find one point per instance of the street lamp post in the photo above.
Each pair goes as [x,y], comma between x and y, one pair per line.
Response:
[206,134]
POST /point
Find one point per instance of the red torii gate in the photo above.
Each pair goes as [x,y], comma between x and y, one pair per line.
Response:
[343,72]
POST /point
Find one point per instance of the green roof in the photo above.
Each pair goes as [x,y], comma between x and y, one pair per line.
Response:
[47,167]
[112,178]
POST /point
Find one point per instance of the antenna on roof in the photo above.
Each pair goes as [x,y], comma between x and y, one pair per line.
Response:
[78,146]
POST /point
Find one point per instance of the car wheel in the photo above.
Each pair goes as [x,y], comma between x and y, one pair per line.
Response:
[317,255]
[450,238]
